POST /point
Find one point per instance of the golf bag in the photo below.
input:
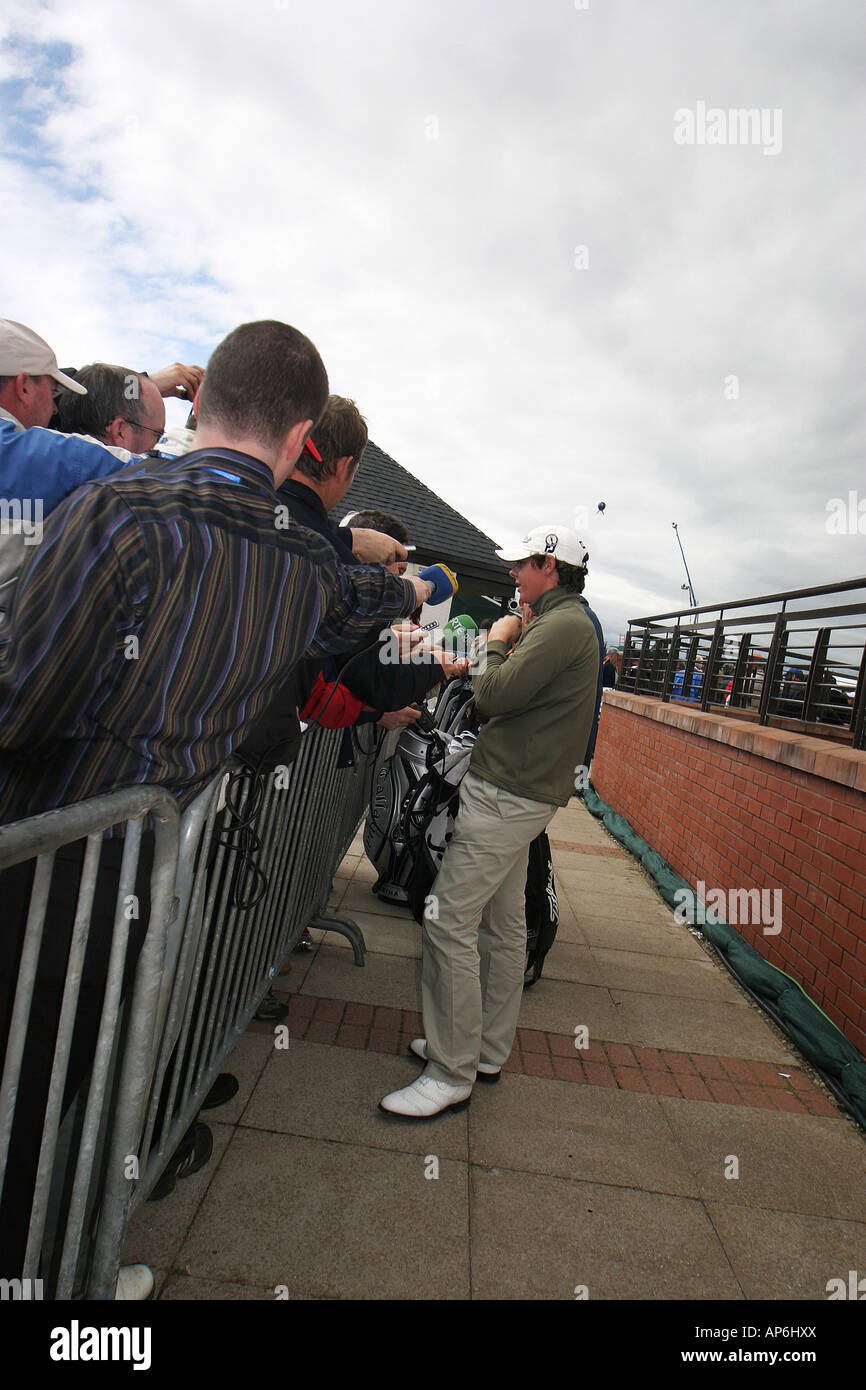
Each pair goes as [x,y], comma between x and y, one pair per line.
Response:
[542,908]
[411,821]
[415,796]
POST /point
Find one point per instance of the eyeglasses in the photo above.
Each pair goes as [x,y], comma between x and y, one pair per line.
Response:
[151,428]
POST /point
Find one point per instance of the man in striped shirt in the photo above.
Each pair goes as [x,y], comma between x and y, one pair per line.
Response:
[164,605]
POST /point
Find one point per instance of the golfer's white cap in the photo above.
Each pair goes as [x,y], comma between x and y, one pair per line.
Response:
[560,541]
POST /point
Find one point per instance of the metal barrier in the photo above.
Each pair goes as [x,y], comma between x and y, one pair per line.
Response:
[783,659]
[304,817]
[240,880]
[82,1190]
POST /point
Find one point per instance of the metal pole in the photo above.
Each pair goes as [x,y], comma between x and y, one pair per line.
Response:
[688,576]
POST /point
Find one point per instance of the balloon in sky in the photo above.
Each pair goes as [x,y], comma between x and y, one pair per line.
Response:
[601,506]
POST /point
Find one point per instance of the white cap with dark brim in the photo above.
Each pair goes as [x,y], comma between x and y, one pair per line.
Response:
[559,541]
[22,350]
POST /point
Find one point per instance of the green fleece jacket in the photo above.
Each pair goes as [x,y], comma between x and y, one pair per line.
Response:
[539,702]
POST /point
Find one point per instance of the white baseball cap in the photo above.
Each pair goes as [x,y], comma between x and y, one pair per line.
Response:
[22,350]
[560,541]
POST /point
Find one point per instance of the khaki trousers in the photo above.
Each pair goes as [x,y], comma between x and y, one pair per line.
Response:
[474,932]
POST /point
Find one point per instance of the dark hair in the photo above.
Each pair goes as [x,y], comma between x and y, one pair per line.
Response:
[381,521]
[341,433]
[570,577]
[111,391]
[263,378]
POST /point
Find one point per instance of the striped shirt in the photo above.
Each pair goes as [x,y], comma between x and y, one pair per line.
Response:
[154,623]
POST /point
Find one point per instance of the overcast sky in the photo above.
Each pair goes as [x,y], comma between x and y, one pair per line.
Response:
[544,284]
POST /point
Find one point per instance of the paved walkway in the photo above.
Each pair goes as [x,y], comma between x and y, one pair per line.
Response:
[684,1152]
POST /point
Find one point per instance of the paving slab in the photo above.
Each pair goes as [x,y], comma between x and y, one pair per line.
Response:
[382,979]
[181,1288]
[247,1063]
[708,1025]
[657,937]
[293,971]
[583,1132]
[797,1163]
[365,872]
[359,898]
[646,973]
[538,1237]
[326,1092]
[570,960]
[633,906]
[333,1221]
[782,1255]
[559,1006]
[157,1229]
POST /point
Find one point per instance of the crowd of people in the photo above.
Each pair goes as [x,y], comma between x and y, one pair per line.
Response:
[163,613]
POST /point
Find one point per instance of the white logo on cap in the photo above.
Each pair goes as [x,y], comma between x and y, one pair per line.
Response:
[550,543]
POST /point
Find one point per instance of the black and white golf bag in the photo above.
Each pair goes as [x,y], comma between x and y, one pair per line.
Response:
[414,799]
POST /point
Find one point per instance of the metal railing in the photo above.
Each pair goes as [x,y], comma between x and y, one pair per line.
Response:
[304,818]
[232,887]
[791,659]
[81,1163]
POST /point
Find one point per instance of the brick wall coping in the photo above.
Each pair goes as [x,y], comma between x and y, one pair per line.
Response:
[836,762]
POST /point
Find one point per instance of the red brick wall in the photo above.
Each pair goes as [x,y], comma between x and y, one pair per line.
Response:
[739,820]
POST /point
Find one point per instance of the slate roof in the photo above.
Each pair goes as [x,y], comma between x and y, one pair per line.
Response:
[437,530]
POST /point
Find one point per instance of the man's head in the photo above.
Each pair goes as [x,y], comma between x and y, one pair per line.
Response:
[554,557]
[121,408]
[339,439]
[265,388]
[373,520]
[29,375]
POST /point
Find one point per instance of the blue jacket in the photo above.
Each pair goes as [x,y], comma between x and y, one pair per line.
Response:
[43,464]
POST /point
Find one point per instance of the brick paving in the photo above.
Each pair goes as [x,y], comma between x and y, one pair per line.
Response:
[537,1052]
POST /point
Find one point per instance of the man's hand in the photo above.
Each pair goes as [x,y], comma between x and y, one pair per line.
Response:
[178,380]
[453,666]
[398,718]
[505,630]
[375,548]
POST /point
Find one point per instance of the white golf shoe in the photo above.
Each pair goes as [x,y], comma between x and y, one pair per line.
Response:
[426,1098]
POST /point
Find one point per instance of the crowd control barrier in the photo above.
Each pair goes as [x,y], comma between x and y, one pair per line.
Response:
[85,1118]
[235,880]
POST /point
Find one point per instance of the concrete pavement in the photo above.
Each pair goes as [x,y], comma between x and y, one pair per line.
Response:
[654,1136]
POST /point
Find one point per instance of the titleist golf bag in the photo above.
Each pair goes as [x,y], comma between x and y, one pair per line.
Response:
[414,799]
[411,820]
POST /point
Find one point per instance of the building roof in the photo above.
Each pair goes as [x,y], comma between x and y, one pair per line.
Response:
[436,529]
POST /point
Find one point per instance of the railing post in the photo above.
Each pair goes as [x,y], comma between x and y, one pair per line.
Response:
[858,713]
[740,670]
[671,667]
[716,646]
[778,647]
[816,673]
